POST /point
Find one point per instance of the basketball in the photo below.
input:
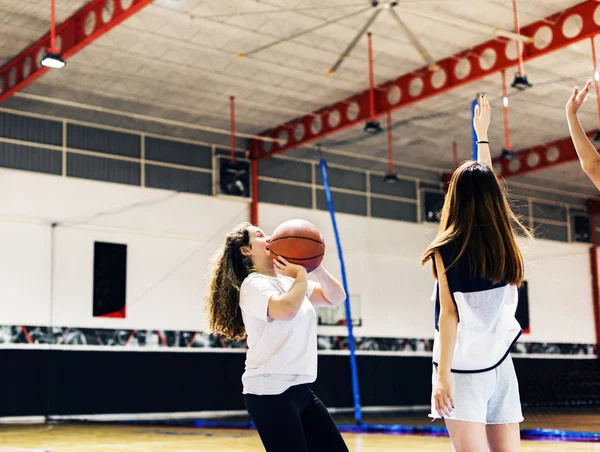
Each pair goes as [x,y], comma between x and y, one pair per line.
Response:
[299,242]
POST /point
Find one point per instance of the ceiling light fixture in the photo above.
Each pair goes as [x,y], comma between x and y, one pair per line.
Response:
[52,58]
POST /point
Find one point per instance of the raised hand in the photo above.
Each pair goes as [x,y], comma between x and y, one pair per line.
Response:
[578,98]
[481,119]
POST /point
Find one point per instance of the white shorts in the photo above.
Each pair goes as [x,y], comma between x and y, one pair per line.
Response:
[490,397]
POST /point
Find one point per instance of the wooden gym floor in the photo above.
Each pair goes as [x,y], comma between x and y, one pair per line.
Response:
[132,438]
[64,438]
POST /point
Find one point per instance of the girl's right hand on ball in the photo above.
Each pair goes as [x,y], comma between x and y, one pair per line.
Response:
[287,268]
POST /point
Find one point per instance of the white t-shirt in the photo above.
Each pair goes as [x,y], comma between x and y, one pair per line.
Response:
[281,353]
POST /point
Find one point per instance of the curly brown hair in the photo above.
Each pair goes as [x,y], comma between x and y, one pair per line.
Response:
[223,298]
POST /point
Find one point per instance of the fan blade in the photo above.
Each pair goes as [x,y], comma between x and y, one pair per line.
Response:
[275,11]
[467,24]
[415,42]
[302,33]
[343,56]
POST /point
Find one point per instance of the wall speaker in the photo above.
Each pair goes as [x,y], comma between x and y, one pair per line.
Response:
[433,206]
[582,228]
[234,178]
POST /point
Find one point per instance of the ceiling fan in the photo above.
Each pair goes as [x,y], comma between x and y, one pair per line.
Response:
[393,6]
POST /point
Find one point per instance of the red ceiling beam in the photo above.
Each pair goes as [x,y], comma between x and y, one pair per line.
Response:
[539,157]
[74,34]
[536,158]
[555,32]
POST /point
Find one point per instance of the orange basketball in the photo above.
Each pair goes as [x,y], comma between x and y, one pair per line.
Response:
[299,242]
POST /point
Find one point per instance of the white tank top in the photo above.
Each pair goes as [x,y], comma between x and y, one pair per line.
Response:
[487,327]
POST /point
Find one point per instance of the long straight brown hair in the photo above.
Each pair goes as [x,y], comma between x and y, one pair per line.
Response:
[478,221]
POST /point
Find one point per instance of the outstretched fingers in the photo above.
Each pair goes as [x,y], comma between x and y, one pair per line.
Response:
[485,104]
[585,93]
[574,94]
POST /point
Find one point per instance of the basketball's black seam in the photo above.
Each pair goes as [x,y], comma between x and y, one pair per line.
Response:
[297,258]
[298,237]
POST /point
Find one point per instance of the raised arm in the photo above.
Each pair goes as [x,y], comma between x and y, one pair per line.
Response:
[481,122]
[588,156]
[329,291]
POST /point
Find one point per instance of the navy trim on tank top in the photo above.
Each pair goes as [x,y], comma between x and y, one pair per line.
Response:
[488,368]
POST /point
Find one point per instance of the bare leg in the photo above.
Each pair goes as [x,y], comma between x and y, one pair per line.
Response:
[504,437]
[467,436]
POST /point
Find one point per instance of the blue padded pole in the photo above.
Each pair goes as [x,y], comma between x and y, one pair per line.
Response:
[354,373]
[473,133]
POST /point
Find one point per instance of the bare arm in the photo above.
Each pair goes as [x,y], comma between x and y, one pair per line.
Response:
[329,291]
[448,323]
[481,122]
[588,156]
[287,305]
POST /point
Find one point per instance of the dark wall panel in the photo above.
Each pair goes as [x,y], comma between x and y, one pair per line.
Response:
[177,152]
[30,158]
[61,382]
[343,202]
[178,179]
[129,382]
[24,382]
[25,128]
[550,231]
[549,212]
[342,178]
[102,140]
[393,210]
[285,194]
[286,170]
[403,187]
[104,169]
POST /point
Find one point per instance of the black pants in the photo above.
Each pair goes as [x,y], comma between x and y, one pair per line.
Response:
[294,421]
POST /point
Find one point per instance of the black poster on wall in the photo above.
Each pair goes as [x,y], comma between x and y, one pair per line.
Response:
[110,279]
[522,314]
